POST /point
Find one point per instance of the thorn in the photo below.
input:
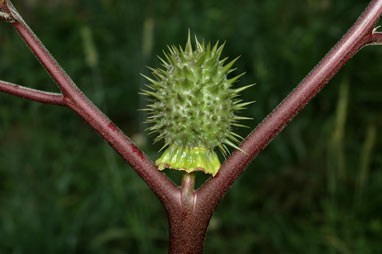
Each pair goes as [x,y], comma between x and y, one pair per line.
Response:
[208,49]
[146,77]
[236,135]
[149,86]
[224,153]
[198,45]
[150,93]
[234,79]
[223,60]
[188,48]
[224,150]
[164,146]
[243,105]
[375,30]
[215,47]
[240,89]
[167,56]
[144,109]
[234,146]
[242,118]
[229,65]
[232,138]
[220,49]
[240,125]
[165,64]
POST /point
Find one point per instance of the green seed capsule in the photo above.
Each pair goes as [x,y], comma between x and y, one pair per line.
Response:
[193,107]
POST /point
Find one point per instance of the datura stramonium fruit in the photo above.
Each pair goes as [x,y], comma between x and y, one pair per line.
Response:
[193,107]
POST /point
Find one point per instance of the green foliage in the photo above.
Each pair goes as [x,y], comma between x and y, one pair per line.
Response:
[315,189]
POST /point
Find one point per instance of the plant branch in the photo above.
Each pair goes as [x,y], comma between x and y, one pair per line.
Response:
[358,36]
[166,191]
[32,94]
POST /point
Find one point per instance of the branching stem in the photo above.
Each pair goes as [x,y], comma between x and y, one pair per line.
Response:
[32,94]
[189,211]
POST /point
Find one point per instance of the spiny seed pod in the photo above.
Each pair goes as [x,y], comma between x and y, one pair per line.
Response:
[193,107]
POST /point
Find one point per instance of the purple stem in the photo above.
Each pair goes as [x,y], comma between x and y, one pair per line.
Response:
[32,94]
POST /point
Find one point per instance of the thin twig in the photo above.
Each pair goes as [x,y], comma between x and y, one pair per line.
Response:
[32,94]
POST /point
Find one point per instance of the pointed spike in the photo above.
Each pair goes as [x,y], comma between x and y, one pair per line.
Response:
[167,57]
[228,66]
[234,79]
[231,70]
[234,146]
[146,77]
[233,138]
[160,74]
[170,49]
[150,121]
[175,50]
[151,69]
[237,101]
[242,105]
[240,89]
[215,47]
[150,93]
[226,149]
[242,118]
[236,135]
[181,54]
[223,60]
[156,126]
[198,45]
[222,150]
[149,86]
[208,49]
[240,125]
[164,146]
[159,137]
[152,133]
[188,48]
[220,49]
[171,60]
[164,63]
[154,82]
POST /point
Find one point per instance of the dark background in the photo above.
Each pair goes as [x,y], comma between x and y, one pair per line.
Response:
[315,189]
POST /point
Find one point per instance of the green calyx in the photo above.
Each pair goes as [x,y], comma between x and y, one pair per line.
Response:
[189,159]
[193,107]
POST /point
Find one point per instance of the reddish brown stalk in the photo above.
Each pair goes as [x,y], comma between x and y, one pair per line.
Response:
[189,211]
[32,94]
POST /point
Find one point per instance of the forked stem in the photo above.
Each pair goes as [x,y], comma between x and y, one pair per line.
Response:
[189,211]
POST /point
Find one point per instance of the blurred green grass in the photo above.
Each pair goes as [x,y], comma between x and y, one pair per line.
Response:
[315,189]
